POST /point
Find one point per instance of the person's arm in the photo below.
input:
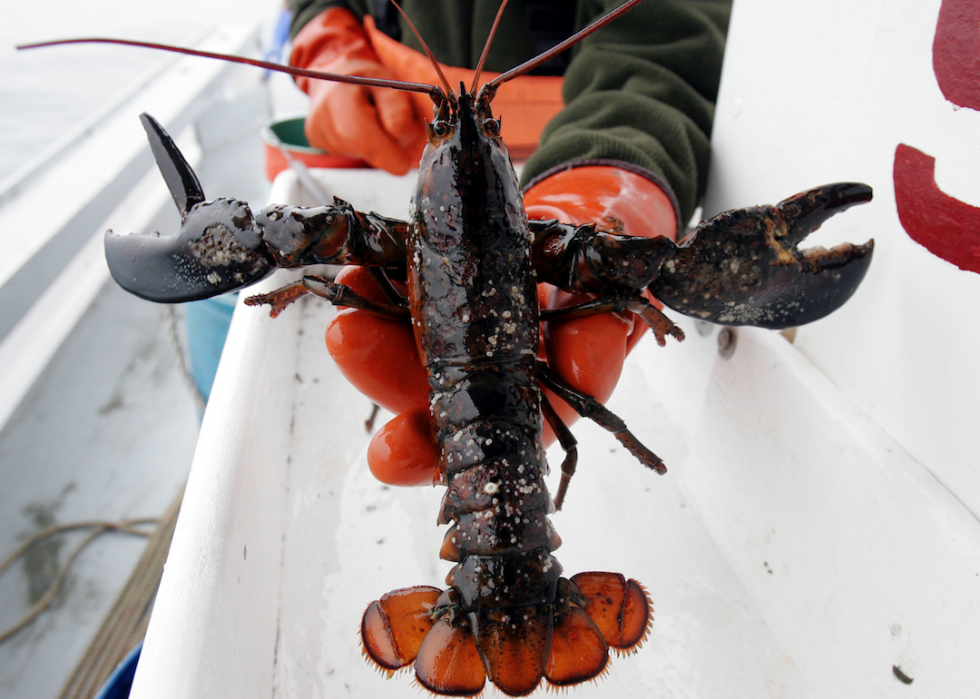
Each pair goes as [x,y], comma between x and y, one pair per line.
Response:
[377,124]
[641,91]
[305,10]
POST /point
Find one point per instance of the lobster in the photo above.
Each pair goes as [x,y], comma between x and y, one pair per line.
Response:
[471,261]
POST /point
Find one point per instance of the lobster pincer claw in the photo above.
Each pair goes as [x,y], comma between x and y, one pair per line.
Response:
[743,267]
[218,249]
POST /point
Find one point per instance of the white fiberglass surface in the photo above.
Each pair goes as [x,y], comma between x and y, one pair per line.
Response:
[792,549]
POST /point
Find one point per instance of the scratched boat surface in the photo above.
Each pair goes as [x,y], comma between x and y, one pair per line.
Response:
[794,548]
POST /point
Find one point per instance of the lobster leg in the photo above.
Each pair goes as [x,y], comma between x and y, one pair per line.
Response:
[610,303]
[568,443]
[743,267]
[660,324]
[383,281]
[583,259]
[588,407]
[337,294]
[651,315]
[222,247]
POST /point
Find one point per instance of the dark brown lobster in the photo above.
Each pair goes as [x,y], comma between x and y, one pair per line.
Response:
[472,261]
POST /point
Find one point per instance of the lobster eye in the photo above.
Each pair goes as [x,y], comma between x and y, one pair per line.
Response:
[491,126]
[440,127]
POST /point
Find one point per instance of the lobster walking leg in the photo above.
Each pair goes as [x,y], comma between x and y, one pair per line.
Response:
[383,281]
[661,325]
[568,443]
[337,294]
[589,407]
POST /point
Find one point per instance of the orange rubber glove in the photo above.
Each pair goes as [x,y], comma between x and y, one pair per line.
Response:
[377,124]
[589,352]
[380,357]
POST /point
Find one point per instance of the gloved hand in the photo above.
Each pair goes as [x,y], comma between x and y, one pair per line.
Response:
[380,358]
[589,352]
[376,124]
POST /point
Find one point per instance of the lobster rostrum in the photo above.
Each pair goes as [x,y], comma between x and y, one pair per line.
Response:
[471,261]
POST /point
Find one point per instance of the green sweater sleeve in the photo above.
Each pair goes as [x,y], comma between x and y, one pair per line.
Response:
[305,10]
[640,91]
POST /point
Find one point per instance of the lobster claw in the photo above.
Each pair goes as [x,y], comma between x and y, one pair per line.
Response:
[218,248]
[743,267]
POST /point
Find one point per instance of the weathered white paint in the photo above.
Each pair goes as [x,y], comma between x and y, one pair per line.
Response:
[823,92]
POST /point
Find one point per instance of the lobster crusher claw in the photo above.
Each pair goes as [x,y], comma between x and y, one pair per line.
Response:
[743,267]
[218,248]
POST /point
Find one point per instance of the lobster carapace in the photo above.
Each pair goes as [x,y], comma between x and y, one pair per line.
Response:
[472,261]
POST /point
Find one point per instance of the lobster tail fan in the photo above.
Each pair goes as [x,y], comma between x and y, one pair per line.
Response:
[578,651]
[394,627]
[620,608]
[515,654]
[183,184]
[448,661]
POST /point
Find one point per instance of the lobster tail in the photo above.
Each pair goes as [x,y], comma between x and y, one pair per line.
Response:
[620,608]
[604,610]
[454,650]
[449,662]
[394,627]
[514,645]
[578,651]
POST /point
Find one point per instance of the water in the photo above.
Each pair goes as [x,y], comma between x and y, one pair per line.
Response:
[45,93]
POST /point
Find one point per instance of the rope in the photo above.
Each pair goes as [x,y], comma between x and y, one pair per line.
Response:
[125,624]
[177,349]
[100,528]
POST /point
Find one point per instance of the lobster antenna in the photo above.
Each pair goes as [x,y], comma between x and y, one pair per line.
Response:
[435,63]
[431,90]
[570,41]
[486,47]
